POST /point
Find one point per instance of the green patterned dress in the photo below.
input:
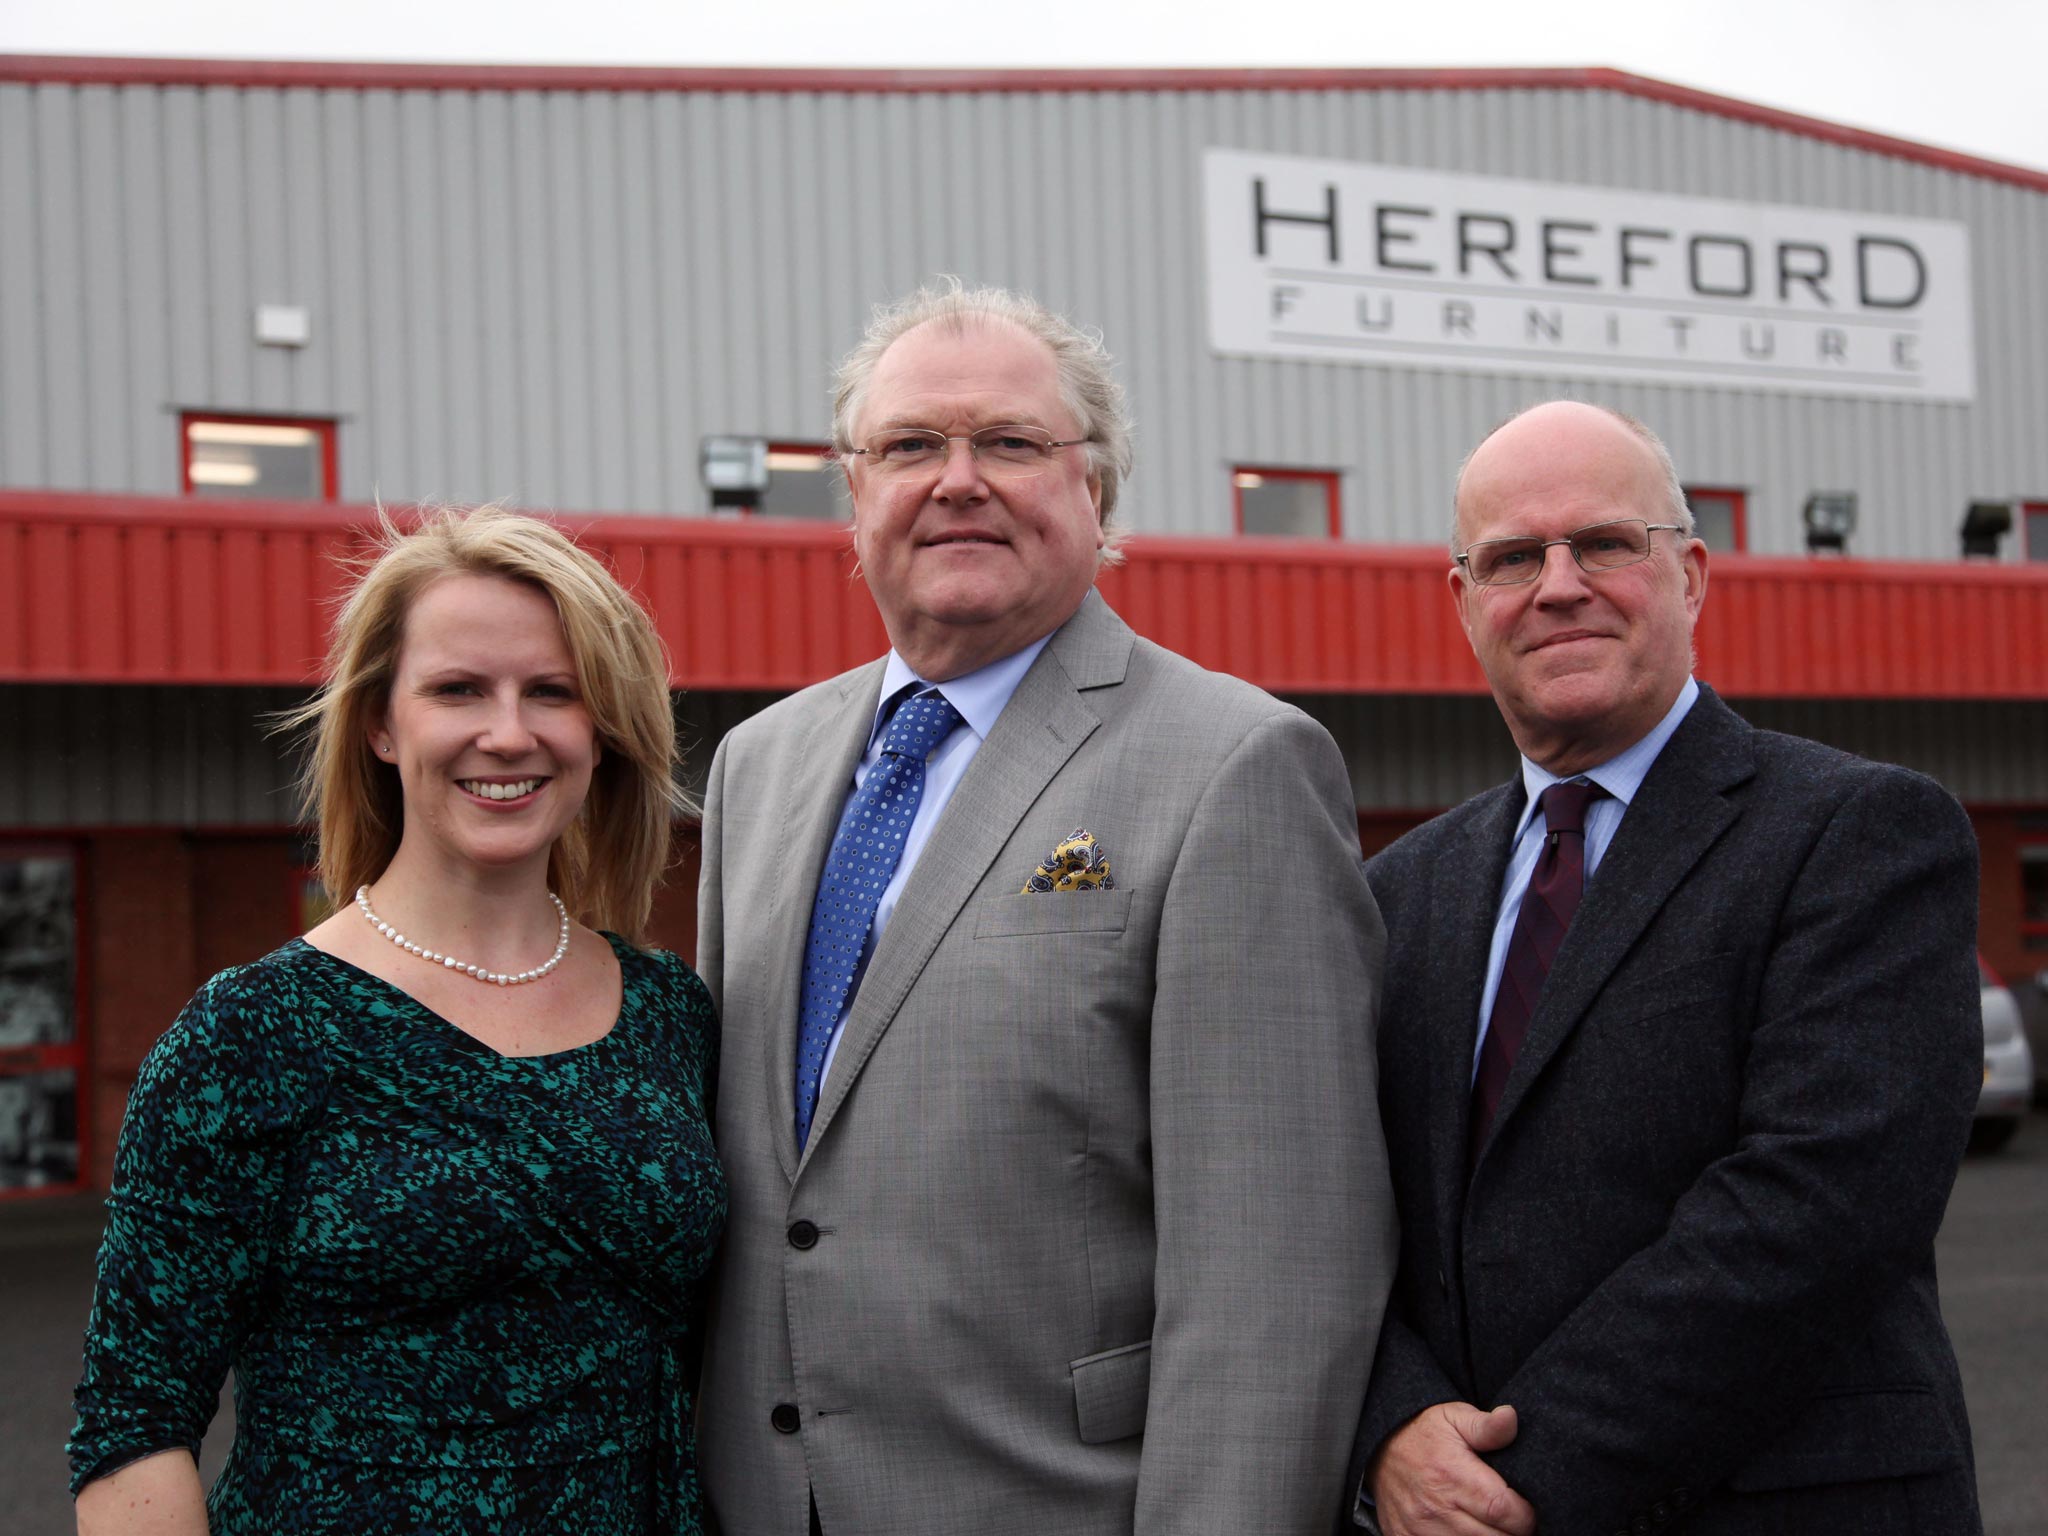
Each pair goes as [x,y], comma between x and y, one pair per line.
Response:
[457,1288]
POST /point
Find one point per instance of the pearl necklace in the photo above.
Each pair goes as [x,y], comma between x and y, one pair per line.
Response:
[453,964]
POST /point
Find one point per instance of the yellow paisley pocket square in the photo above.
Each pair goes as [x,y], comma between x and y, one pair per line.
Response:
[1079,863]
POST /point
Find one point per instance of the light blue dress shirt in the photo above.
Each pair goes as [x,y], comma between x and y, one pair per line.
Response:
[1621,776]
[979,697]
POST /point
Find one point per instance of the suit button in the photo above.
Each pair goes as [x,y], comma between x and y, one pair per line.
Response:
[1660,1513]
[803,1234]
[1681,1498]
[1640,1525]
[785,1418]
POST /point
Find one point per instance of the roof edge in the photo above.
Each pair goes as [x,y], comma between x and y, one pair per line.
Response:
[74,69]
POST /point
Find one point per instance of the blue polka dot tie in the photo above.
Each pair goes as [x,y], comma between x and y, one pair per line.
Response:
[865,852]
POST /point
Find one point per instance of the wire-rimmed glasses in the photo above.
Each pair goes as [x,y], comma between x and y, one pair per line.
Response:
[1012,451]
[1597,547]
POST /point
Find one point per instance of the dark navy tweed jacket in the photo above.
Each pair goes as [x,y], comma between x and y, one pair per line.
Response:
[1696,1252]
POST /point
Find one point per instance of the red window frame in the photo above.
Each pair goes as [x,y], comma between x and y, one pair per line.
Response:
[1738,501]
[76,1055]
[1328,479]
[822,451]
[2029,510]
[322,426]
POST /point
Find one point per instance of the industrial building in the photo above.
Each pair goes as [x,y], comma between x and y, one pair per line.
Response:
[241,302]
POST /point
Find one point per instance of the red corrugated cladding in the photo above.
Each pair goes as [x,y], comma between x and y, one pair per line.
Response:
[104,589]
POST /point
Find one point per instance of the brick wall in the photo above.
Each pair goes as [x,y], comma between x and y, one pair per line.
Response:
[139,967]
[1998,903]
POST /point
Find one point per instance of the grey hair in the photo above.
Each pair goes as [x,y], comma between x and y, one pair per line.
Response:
[1087,387]
[1676,510]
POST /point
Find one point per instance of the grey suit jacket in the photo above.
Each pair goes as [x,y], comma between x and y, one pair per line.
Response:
[1102,1224]
[1696,1253]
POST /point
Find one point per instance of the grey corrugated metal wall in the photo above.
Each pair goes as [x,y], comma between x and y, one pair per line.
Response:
[1987,754]
[1429,753]
[132,756]
[551,296]
[200,757]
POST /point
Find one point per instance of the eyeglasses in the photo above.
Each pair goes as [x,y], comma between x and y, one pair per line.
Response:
[1013,452]
[1597,547]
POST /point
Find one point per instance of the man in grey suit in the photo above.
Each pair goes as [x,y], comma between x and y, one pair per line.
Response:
[1048,976]
[1682,1043]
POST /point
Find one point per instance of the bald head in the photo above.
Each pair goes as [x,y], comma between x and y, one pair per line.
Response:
[1582,662]
[1538,419]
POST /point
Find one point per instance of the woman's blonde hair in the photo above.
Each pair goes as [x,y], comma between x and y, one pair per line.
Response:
[606,865]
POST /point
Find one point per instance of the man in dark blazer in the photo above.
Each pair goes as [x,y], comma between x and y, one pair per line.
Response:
[1668,1241]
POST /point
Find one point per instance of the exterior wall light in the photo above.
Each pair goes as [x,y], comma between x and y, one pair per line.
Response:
[1985,525]
[1830,519]
[734,470]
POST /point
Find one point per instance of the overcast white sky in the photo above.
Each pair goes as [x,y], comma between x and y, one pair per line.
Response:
[1966,74]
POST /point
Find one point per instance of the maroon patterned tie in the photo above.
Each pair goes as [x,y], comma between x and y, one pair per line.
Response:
[1547,908]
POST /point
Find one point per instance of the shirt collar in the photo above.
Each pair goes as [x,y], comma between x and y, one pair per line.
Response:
[979,696]
[1622,774]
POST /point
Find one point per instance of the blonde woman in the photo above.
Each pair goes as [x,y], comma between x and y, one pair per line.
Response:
[434,1179]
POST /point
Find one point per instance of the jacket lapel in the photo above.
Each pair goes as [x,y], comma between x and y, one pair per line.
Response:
[1038,731]
[826,754]
[1464,901]
[1679,813]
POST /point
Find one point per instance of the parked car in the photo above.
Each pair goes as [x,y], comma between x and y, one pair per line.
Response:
[2008,1068]
[2034,1019]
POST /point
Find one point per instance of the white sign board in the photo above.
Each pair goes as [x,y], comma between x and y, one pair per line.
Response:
[1381,264]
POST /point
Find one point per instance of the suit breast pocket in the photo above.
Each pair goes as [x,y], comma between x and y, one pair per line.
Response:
[1052,912]
[1703,984]
[1053,994]
[1670,1045]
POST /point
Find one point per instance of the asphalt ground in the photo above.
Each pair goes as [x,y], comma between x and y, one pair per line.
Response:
[1993,1253]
